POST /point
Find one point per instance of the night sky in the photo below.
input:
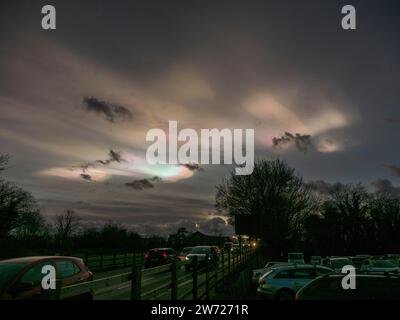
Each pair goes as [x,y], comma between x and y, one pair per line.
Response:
[112,70]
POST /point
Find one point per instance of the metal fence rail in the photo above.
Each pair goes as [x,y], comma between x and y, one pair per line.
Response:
[164,282]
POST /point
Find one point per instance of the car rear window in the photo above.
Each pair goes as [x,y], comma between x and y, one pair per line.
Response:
[201,250]
[66,268]
[9,270]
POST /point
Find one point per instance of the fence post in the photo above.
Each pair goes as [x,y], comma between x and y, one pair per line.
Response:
[207,277]
[174,280]
[125,260]
[223,267]
[101,262]
[136,282]
[216,270]
[229,262]
[233,261]
[114,260]
[195,278]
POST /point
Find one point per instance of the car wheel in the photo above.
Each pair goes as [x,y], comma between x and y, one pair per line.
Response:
[285,294]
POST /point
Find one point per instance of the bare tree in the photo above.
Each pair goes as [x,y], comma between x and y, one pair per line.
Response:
[65,225]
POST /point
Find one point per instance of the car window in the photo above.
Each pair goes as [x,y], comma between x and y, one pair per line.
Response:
[325,288]
[9,270]
[322,272]
[304,274]
[34,274]
[287,274]
[66,268]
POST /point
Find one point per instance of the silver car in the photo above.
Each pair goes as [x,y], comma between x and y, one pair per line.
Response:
[257,273]
[283,282]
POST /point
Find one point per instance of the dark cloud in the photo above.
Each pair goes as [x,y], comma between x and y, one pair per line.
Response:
[394,169]
[110,111]
[140,184]
[87,177]
[325,188]
[193,166]
[155,179]
[385,187]
[113,156]
[393,120]
[143,183]
[301,141]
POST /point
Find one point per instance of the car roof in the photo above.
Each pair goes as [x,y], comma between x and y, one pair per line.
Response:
[297,266]
[37,258]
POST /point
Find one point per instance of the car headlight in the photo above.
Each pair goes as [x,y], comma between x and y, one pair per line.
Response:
[186,258]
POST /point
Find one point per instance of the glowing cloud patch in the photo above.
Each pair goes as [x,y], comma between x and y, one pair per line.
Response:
[71,173]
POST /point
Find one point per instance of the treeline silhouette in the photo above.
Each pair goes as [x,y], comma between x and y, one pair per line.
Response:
[289,214]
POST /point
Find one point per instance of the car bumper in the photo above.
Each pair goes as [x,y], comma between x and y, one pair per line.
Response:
[268,293]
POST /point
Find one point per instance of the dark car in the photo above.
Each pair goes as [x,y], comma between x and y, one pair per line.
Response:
[159,256]
[185,251]
[21,278]
[368,287]
[201,253]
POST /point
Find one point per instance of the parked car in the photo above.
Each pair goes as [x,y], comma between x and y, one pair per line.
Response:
[21,278]
[315,260]
[185,251]
[283,282]
[257,273]
[373,265]
[337,263]
[296,257]
[159,256]
[368,287]
[200,253]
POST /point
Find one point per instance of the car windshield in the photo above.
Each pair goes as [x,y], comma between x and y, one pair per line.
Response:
[186,250]
[339,263]
[383,264]
[201,250]
[9,270]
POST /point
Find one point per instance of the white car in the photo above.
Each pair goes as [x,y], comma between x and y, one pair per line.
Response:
[295,257]
[371,265]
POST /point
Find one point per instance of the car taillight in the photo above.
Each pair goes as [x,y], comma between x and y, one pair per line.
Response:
[146,255]
[164,254]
